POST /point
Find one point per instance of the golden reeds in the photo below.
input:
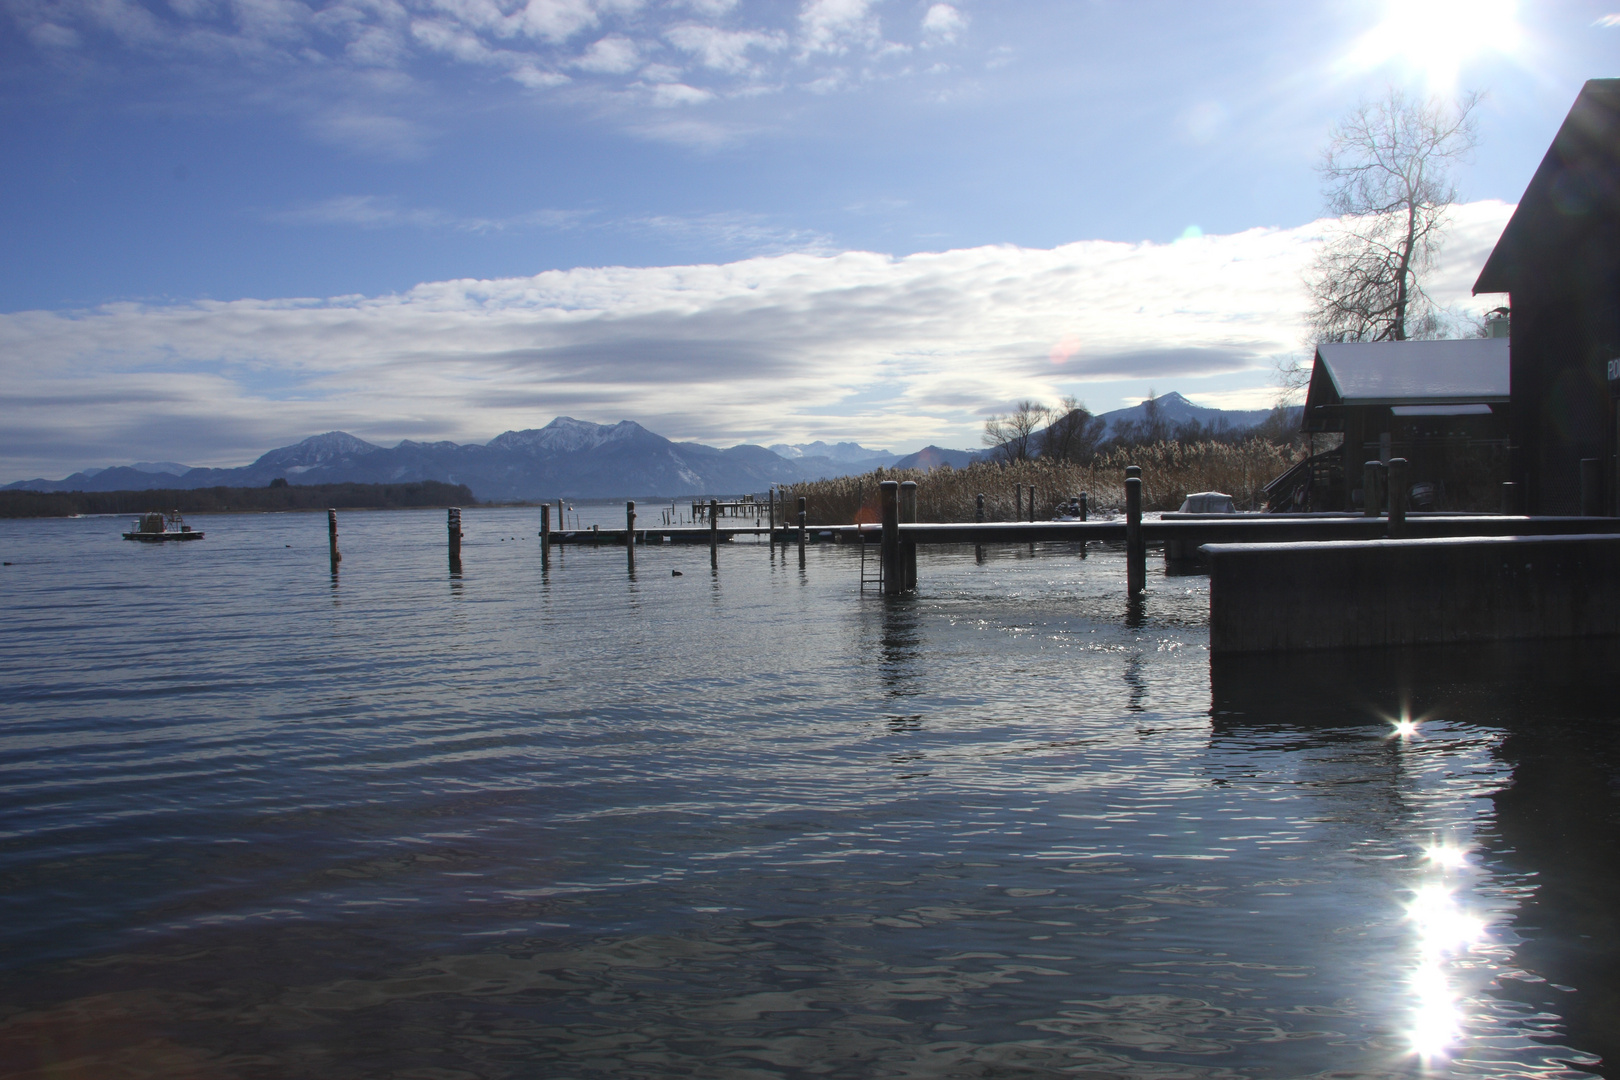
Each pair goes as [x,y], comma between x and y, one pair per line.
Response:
[1170,472]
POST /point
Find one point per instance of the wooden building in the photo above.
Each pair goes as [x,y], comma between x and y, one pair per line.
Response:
[1441,405]
[1559,261]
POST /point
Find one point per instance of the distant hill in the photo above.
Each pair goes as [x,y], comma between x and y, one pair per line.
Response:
[1175,412]
[567,458]
[576,459]
[854,456]
[932,457]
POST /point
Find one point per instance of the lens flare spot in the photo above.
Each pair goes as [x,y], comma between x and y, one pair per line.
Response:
[1064,349]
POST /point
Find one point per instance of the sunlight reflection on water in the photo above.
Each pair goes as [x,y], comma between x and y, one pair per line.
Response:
[743,821]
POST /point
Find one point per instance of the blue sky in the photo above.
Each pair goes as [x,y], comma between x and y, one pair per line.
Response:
[259,219]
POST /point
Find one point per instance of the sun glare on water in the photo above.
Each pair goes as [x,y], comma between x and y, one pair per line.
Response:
[1435,38]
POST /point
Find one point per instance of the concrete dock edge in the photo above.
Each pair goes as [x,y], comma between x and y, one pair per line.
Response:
[1378,593]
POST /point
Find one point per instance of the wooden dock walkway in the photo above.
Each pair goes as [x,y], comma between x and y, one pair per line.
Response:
[1244,529]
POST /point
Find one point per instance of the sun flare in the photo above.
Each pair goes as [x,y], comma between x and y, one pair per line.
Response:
[1436,38]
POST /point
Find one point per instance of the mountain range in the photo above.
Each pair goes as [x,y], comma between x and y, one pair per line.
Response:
[572,459]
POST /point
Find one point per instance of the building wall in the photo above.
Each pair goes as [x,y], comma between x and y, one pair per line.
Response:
[1562,407]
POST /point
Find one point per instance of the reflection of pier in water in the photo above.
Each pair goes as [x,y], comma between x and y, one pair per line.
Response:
[1548,845]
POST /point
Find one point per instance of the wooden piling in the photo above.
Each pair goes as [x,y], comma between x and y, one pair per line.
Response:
[545,535]
[454,523]
[1135,545]
[630,534]
[1591,487]
[562,517]
[1398,488]
[1510,497]
[802,515]
[771,532]
[714,532]
[908,516]
[1085,506]
[978,516]
[1018,502]
[889,504]
[331,538]
[1372,482]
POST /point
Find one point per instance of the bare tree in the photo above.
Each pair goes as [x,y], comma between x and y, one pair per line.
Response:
[1386,173]
[1072,433]
[1013,436]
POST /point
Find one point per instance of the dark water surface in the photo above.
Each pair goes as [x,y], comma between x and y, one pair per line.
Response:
[255,822]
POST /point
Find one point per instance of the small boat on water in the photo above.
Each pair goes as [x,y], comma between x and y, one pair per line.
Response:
[155,528]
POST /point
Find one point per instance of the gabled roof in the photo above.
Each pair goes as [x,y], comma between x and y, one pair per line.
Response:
[1471,371]
[1576,188]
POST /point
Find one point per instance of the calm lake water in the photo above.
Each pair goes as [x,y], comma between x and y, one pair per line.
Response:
[256,821]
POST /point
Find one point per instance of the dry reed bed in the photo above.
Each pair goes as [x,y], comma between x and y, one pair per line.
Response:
[1170,472]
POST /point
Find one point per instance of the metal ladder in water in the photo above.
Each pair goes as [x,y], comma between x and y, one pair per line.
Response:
[877,580]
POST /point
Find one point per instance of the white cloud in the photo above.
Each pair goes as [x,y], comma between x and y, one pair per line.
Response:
[612,55]
[835,26]
[942,24]
[314,57]
[890,350]
[671,95]
[723,50]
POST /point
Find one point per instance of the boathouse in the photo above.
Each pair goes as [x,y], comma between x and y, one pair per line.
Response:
[1559,262]
[1441,405]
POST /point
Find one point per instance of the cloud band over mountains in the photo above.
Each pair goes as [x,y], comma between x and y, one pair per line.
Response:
[892,351]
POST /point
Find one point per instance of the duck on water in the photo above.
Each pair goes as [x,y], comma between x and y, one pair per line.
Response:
[155,528]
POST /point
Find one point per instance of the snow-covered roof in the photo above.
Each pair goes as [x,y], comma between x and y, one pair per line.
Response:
[1474,370]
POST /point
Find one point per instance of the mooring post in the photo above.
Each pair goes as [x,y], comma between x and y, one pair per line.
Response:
[331,538]
[894,576]
[630,534]
[802,502]
[1018,502]
[562,520]
[545,535]
[1591,487]
[771,532]
[978,516]
[1372,495]
[1032,502]
[1397,496]
[455,539]
[1135,547]
[1085,506]
[1510,497]
[908,548]
[714,532]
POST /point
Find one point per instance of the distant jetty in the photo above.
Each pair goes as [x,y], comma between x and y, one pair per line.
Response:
[422,494]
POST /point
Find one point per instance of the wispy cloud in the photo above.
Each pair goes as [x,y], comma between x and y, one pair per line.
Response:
[753,234]
[891,350]
[614,57]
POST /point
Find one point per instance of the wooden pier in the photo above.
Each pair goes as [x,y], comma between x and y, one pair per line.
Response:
[1189,530]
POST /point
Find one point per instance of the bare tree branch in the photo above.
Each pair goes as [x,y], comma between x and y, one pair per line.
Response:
[1012,436]
[1387,174]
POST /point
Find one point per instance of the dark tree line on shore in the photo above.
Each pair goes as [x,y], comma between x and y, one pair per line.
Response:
[278,496]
